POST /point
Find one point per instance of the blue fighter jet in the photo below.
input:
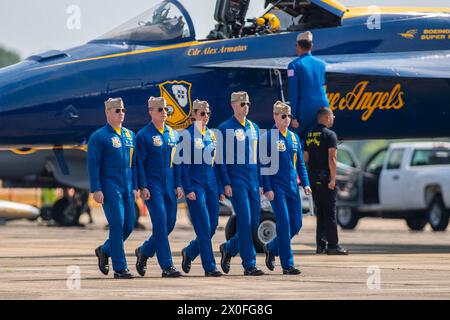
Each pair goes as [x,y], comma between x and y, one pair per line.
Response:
[388,76]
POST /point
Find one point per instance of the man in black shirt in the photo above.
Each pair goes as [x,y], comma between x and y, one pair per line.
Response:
[320,156]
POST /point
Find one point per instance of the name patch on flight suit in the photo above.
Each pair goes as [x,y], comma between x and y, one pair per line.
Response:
[129,143]
[128,139]
[281,146]
[172,140]
[157,142]
[294,142]
[213,138]
[116,142]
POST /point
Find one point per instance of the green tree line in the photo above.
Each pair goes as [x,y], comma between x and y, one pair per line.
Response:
[8,57]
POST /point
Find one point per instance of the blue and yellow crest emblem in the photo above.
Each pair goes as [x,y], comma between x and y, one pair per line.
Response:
[116,142]
[157,142]
[281,146]
[178,98]
[240,135]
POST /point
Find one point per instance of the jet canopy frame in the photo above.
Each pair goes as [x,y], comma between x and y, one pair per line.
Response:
[294,15]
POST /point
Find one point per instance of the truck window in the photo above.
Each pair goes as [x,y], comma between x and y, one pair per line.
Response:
[395,159]
[343,156]
[430,157]
[375,165]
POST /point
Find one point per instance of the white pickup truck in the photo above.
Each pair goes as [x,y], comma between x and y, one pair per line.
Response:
[408,181]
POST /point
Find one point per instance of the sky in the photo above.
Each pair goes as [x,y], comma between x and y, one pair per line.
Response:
[29,26]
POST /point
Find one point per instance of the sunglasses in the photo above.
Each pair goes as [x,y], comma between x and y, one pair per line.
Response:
[123,110]
[243,104]
[204,113]
[284,116]
[160,110]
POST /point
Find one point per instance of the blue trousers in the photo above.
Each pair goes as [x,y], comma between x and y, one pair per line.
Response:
[163,213]
[287,207]
[120,213]
[246,202]
[204,212]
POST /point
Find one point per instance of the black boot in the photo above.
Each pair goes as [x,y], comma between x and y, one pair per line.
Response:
[291,271]
[123,274]
[186,261]
[214,273]
[225,259]
[270,258]
[337,252]
[141,262]
[103,260]
[320,250]
[253,271]
[171,272]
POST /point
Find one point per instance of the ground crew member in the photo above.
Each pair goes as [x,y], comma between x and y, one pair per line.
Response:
[320,156]
[201,186]
[160,184]
[241,179]
[112,173]
[306,81]
[281,188]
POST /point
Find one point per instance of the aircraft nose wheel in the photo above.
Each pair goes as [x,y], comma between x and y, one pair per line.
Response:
[265,233]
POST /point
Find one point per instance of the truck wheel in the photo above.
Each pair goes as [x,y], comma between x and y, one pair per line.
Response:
[438,215]
[416,223]
[266,231]
[347,218]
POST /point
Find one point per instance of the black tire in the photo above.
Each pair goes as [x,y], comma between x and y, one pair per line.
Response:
[46,213]
[347,218]
[416,223]
[438,215]
[64,212]
[266,230]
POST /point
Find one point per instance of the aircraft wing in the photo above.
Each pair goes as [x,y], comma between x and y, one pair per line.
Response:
[417,64]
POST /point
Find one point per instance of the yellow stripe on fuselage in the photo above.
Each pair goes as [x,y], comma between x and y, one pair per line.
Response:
[335,4]
[123,54]
[366,11]
[34,150]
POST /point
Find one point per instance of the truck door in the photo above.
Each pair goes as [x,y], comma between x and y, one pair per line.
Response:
[392,181]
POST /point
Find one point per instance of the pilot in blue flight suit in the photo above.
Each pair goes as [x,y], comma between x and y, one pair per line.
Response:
[159,180]
[111,164]
[201,185]
[306,81]
[281,187]
[240,176]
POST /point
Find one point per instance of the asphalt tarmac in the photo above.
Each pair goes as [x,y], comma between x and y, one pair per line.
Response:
[387,261]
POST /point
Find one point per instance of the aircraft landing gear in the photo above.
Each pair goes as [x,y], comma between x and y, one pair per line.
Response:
[66,211]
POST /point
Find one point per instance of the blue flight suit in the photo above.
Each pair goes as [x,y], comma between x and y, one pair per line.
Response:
[112,169]
[157,173]
[202,177]
[306,81]
[244,177]
[287,204]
